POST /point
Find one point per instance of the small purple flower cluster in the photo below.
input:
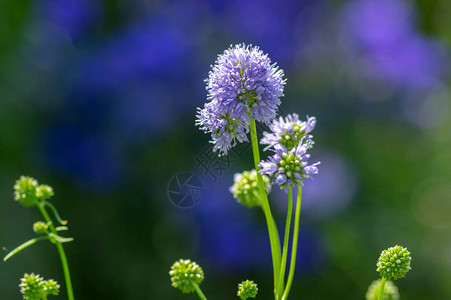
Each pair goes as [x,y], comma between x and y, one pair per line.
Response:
[243,84]
[289,140]
[288,131]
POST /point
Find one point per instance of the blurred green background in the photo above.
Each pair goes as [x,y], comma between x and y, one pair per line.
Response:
[99,100]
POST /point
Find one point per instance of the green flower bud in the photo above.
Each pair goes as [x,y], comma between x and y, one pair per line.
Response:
[40,227]
[390,291]
[44,192]
[34,287]
[247,289]
[25,191]
[394,262]
[31,287]
[184,273]
[245,188]
[51,287]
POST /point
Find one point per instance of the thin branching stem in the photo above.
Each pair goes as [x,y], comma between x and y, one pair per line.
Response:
[294,244]
[283,265]
[62,254]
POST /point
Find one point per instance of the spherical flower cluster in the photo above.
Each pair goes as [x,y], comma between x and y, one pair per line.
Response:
[44,192]
[243,83]
[245,188]
[25,191]
[34,287]
[390,290]
[184,273]
[28,191]
[247,289]
[288,131]
[51,287]
[289,167]
[40,227]
[31,287]
[394,262]
[243,80]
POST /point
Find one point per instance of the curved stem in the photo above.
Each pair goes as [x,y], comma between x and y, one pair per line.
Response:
[381,289]
[62,254]
[55,212]
[272,229]
[199,291]
[294,244]
[283,265]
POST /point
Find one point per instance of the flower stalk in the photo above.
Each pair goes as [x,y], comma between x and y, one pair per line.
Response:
[198,291]
[285,243]
[272,229]
[381,289]
[294,244]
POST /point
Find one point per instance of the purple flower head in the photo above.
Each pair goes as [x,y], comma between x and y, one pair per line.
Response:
[224,130]
[289,131]
[243,82]
[288,168]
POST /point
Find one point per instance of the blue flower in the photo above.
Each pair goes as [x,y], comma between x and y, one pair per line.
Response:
[288,168]
[288,131]
[243,81]
[225,131]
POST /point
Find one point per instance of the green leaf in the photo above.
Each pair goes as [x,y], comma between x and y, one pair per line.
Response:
[24,245]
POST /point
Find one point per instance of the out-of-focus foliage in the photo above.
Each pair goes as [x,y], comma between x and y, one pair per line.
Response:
[98,99]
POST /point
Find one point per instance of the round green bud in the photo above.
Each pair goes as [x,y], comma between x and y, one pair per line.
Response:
[51,287]
[390,290]
[247,289]
[184,273]
[40,227]
[25,191]
[44,192]
[245,188]
[31,287]
[394,262]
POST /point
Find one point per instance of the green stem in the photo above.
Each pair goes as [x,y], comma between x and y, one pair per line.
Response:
[199,291]
[294,245]
[59,247]
[285,242]
[272,229]
[381,289]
